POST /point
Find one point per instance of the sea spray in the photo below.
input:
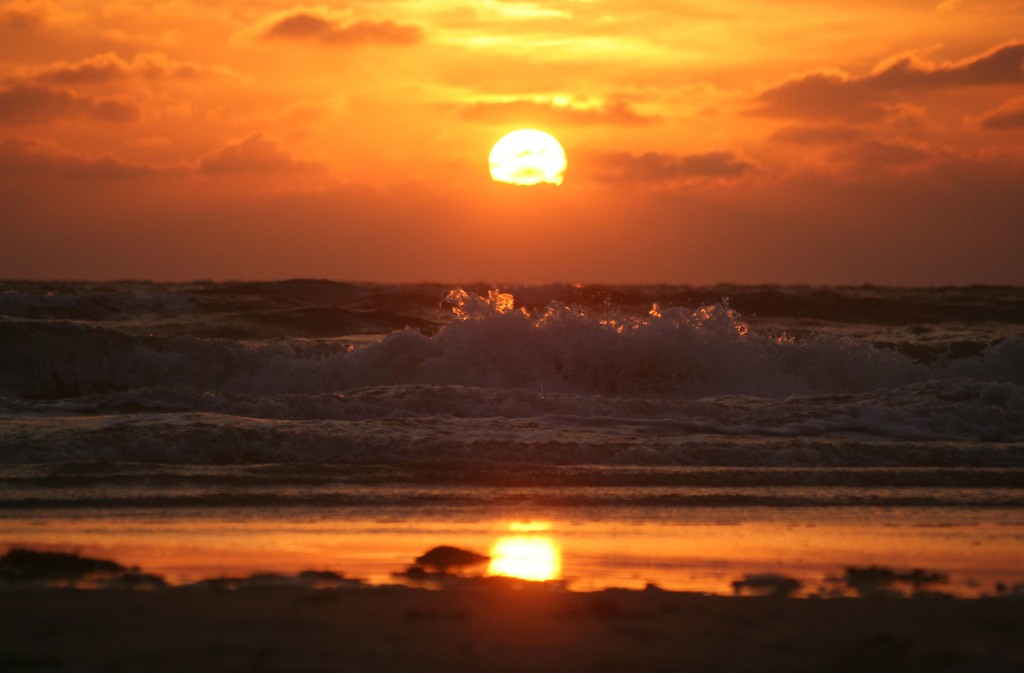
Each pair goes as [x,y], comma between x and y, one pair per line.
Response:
[555,375]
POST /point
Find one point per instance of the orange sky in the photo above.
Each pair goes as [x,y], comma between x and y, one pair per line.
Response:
[736,141]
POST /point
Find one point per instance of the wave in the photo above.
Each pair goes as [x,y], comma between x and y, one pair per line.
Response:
[506,484]
[935,410]
[860,305]
[489,343]
[797,440]
[538,501]
[512,497]
[284,477]
[493,380]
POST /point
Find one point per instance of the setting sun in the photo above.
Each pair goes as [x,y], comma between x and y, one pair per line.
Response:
[528,157]
[528,557]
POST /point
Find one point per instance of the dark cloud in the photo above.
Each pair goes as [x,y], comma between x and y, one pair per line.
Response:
[828,96]
[1002,65]
[657,167]
[30,104]
[817,135]
[837,96]
[252,155]
[1010,115]
[952,223]
[308,26]
[877,155]
[113,111]
[109,67]
[857,152]
[33,158]
[255,154]
[98,69]
[527,111]
[20,19]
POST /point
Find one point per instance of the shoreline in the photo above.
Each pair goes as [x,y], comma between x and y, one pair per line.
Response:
[701,551]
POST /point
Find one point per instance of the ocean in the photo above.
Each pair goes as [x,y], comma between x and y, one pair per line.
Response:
[674,435]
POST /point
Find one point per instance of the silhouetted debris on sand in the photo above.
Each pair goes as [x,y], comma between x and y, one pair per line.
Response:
[326,579]
[133,580]
[921,578]
[416,575]
[320,576]
[443,558]
[1003,589]
[314,579]
[766,584]
[20,564]
[880,580]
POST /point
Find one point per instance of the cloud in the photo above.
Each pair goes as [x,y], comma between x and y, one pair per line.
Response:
[17,18]
[254,154]
[957,223]
[826,95]
[875,156]
[854,153]
[615,112]
[310,25]
[836,95]
[30,104]
[1001,65]
[25,16]
[817,135]
[110,67]
[1009,115]
[39,158]
[97,69]
[658,168]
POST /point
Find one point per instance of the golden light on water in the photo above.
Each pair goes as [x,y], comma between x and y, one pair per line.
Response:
[529,526]
[529,557]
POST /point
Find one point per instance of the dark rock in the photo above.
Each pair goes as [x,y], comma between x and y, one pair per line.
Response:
[27,564]
[442,558]
[767,584]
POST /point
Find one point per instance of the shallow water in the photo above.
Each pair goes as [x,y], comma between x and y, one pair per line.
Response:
[676,435]
[691,549]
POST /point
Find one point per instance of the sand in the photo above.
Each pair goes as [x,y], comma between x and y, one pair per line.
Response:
[495,628]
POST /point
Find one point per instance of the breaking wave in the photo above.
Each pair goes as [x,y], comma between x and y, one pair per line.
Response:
[557,375]
[676,352]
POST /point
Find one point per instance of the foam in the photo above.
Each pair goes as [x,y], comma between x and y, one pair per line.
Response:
[674,352]
[557,383]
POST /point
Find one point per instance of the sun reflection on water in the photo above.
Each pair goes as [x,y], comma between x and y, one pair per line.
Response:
[537,558]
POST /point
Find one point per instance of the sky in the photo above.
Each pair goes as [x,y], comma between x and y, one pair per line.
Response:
[825,142]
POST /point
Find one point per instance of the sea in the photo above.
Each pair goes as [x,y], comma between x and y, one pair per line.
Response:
[672,436]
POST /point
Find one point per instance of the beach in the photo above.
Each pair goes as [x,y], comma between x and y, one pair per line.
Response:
[719,478]
[497,628]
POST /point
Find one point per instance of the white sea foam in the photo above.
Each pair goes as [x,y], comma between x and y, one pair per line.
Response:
[674,352]
[557,383]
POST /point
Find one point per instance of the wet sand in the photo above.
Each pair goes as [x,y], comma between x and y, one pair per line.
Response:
[491,627]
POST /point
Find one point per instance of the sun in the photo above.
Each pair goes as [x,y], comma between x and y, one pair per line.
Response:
[528,157]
